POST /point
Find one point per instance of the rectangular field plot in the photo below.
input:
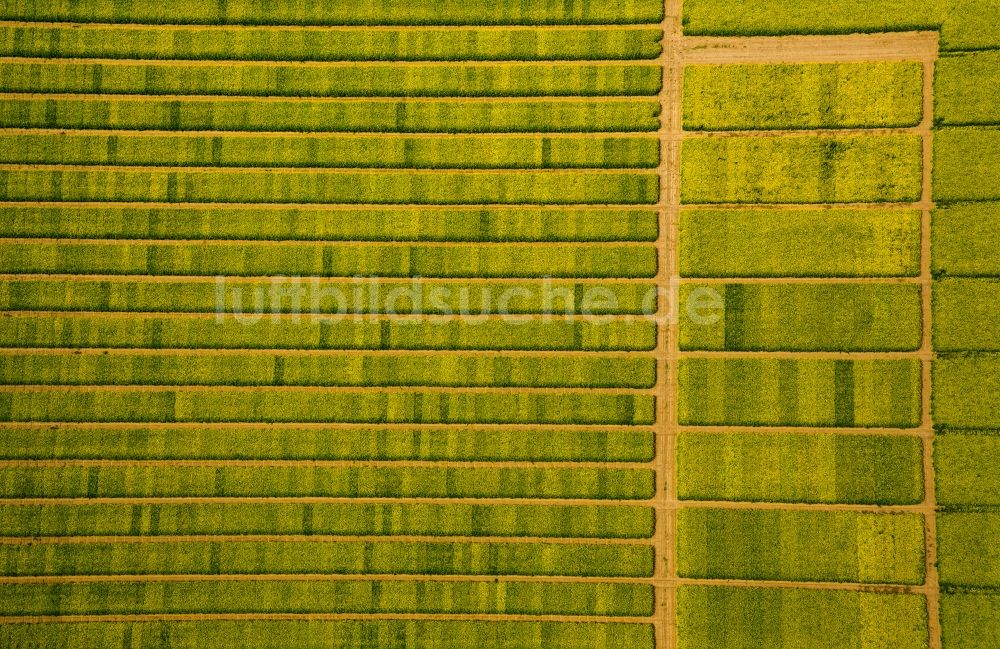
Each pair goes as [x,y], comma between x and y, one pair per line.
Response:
[966,89]
[969,555]
[788,618]
[325,223]
[967,391]
[320,482]
[342,557]
[276,405]
[804,96]
[309,259]
[966,164]
[965,315]
[786,392]
[757,242]
[220,42]
[323,115]
[970,620]
[801,169]
[158,185]
[967,467]
[967,239]
[335,519]
[800,546]
[813,468]
[183,332]
[501,79]
[322,443]
[805,317]
[337,634]
[355,596]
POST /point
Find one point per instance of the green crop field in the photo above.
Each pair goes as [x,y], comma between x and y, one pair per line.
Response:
[468,324]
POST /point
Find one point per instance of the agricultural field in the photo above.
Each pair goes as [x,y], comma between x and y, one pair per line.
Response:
[519,325]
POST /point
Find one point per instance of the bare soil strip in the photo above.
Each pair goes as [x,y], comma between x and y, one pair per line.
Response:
[907,46]
[329,28]
[309,98]
[308,389]
[325,617]
[323,243]
[322,464]
[313,170]
[318,538]
[331,353]
[237,63]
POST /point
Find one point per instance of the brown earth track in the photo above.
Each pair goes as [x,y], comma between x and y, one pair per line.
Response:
[331,389]
[286,98]
[336,243]
[318,538]
[323,464]
[113,351]
[440,280]
[904,46]
[328,28]
[195,63]
[312,170]
[331,617]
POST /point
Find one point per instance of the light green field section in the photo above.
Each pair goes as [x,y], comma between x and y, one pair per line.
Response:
[970,620]
[358,597]
[320,223]
[251,299]
[788,618]
[322,151]
[339,634]
[967,391]
[802,96]
[801,169]
[800,546]
[327,558]
[967,239]
[344,482]
[965,315]
[319,443]
[792,392]
[966,89]
[270,44]
[330,79]
[799,243]
[307,259]
[967,468]
[144,331]
[805,317]
[137,184]
[966,164]
[967,544]
[338,12]
[255,369]
[336,519]
[192,113]
[274,405]
[813,468]
[964,24]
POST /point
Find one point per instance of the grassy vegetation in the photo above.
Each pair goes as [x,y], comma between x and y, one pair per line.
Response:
[807,317]
[359,597]
[149,185]
[256,369]
[338,634]
[967,391]
[969,620]
[327,557]
[323,296]
[967,239]
[337,12]
[800,546]
[800,243]
[494,115]
[802,169]
[308,259]
[966,88]
[966,163]
[965,315]
[318,223]
[331,80]
[802,96]
[343,151]
[269,44]
[382,519]
[969,555]
[272,405]
[789,618]
[341,482]
[967,467]
[813,468]
[319,443]
[165,332]
[777,392]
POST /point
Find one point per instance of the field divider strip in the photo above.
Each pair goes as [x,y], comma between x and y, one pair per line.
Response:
[311,135]
[922,433]
[918,205]
[318,538]
[811,355]
[483,99]
[235,63]
[327,617]
[436,353]
[570,27]
[323,577]
[361,280]
[320,464]
[345,243]
[902,46]
[815,133]
[613,391]
[470,318]
[555,428]
[331,170]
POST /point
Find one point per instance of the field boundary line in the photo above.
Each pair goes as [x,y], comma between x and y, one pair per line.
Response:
[345,243]
[483,99]
[367,64]
[180,351]
[323,577]
[807,355]
[473,319]
[902,46]
[326,617]
[324,464]
[318,538]
[800,133]
[570,27]
[628,171]
[478,428]
[612,391]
